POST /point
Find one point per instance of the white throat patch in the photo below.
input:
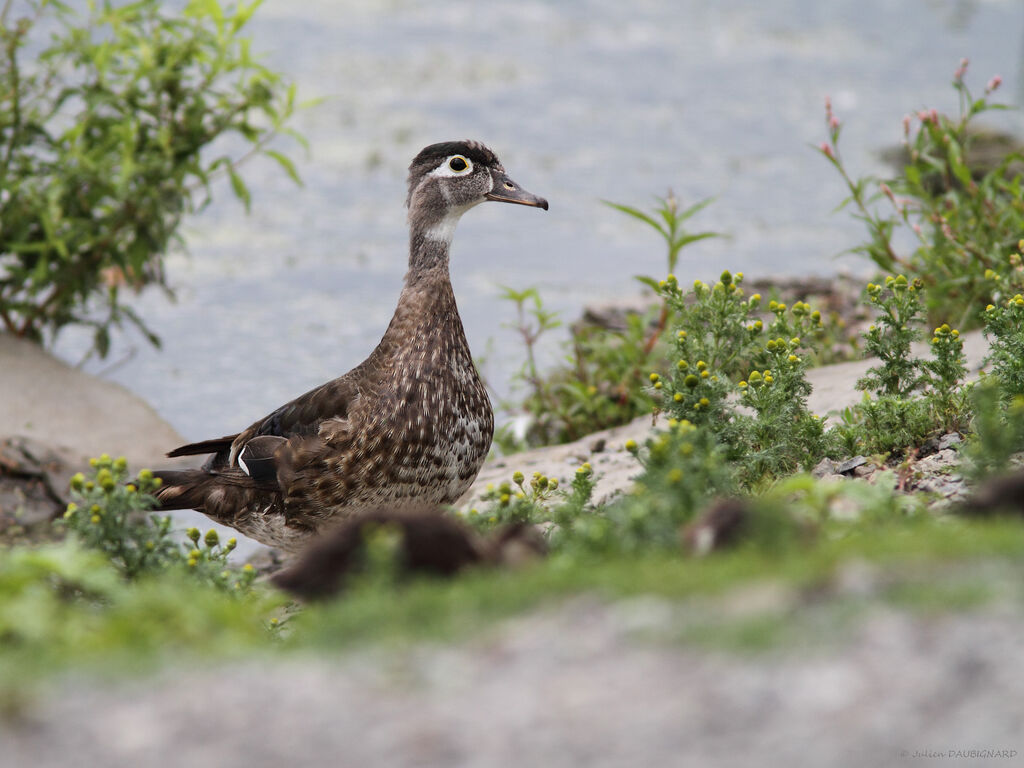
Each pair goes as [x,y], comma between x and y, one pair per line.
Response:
[444,230]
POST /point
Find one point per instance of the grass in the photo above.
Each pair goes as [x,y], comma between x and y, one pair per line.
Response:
[135,628]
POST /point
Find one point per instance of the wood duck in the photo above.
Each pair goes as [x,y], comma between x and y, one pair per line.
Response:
[410,425]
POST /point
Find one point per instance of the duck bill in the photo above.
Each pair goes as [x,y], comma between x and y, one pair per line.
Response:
[507,191]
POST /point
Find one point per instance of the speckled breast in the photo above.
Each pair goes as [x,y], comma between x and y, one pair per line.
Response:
[438,432]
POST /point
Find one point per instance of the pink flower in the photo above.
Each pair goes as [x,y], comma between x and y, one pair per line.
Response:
[887,192]
[833,122]
[994,83]
[827,150]
[959,74]
[906,125]
[917,228]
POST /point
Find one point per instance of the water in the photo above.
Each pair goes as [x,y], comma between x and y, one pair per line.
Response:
[583,101]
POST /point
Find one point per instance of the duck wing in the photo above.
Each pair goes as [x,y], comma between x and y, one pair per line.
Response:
[299,417]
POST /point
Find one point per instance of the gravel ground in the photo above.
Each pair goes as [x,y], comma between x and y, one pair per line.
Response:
[588,684]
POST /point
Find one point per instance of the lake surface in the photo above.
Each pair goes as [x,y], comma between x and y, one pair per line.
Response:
[583,101]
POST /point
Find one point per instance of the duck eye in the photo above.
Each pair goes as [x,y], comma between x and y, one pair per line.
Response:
[458,164]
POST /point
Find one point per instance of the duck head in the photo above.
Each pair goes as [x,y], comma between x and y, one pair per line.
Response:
[447,179]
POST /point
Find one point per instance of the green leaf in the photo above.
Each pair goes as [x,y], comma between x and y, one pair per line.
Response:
[636,213]
[101,341]
[957,164]
[650,282]
[239,188]
[286,163]
[695,208]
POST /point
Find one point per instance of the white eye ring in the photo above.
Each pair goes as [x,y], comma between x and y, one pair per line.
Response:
[446,169]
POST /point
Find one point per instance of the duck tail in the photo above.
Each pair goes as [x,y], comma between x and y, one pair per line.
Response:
[206,446]
[183,489]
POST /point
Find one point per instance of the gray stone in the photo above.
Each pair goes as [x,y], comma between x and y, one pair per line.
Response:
[61,407]
[950,440]
[825,467]
[851,464]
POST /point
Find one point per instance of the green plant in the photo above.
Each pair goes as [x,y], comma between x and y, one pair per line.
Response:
[539,500]
[719,337]
[914,397]
[997,430]
[963,219]
[667,220]
[63,605]
[599,384]
[896,327]
[1004,325]
[115,517]
[683,468]
[112,516]
[108,137]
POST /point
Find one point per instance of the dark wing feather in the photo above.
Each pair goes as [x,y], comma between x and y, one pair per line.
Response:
[258,457]
[303,416]
[206,446]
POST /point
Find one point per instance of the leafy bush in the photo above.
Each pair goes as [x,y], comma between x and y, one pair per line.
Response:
[104,147]
[963,219]
[719,338]
[914,398]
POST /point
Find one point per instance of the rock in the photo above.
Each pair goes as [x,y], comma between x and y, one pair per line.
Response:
[63,408]
[50,409]
[949,440]
[33,485]
[851,464]
[824,468]
[864,471]
[938,461]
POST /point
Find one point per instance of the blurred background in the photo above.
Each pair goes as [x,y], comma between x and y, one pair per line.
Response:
[583,100]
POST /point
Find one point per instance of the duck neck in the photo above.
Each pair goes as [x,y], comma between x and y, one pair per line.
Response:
[427,303]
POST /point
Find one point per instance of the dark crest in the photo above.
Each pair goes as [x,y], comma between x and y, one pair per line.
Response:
[435,153]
